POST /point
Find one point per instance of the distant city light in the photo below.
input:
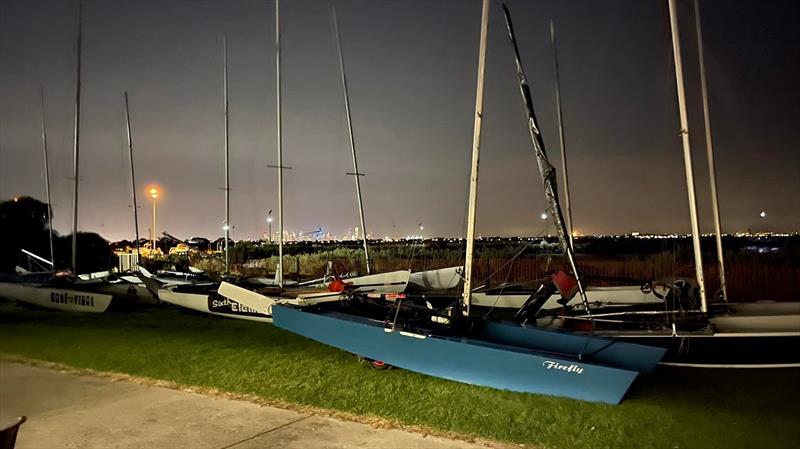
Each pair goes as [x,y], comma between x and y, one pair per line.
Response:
[763,214]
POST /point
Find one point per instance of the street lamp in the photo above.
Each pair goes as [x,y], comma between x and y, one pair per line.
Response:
[153,192]
[763,215]
[543,216]
[421,228]
[269,222]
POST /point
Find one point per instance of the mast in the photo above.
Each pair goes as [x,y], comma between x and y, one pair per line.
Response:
[712,172]
[76,148]
[356,174]
[687,153]
[561,138]
[227,227]
[476,152]
[47,182]
[280,139]
[546,170]
[133,177]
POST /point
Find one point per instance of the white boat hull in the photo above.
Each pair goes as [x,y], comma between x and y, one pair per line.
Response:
[256,303]
[441,279]
[759,317]
[213,304]
[606,295]
[56,298]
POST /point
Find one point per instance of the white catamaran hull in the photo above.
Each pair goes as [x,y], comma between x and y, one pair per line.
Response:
[759,317]
[237,302]
[441,279]
[606,295]
[391,282]
[56,298]
[212,304]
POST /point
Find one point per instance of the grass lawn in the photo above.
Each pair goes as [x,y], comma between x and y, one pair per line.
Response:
[673,408]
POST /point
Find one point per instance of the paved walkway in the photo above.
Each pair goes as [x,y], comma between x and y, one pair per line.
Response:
[69,411]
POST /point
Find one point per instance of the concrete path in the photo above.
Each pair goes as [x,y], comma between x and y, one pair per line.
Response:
[69,411]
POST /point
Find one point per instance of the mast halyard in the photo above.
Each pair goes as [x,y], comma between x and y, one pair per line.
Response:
[712,171]
[227,226]
[133,176]
[356,174]
[687,153]
[47,182]
[476,151]
[546,170]
[561,139]
[76,148]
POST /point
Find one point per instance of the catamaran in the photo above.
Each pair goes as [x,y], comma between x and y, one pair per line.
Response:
[66,290]
[242,298]
[696,333]
[447,340]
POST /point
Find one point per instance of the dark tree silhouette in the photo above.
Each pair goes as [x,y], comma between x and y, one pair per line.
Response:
[23,225]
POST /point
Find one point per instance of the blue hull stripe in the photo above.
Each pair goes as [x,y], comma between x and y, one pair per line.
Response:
[462,360]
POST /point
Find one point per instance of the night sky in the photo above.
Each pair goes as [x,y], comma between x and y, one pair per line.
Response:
[412,71]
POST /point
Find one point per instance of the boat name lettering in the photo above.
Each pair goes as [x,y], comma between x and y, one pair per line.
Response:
[66,298]
[233,305]
[571,368]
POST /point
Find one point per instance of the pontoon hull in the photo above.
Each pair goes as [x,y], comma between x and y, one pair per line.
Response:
[212,304]
[637,357]
[725,349]
[64,299]
[462,360]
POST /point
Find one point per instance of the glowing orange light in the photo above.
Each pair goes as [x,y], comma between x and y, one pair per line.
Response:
[153,192]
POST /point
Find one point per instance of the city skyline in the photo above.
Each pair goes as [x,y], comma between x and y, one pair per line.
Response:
[411,71]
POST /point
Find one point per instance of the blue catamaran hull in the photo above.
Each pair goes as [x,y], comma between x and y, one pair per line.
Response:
[464,360]
[620,354]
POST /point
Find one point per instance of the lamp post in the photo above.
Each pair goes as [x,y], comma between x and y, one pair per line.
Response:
[421,228]
[226,227]
[269,222]
[153,192]
[763,215]
[544,219]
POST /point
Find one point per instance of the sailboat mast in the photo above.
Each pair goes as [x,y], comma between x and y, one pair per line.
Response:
[47,182]
[546,170]
[712,171]
[356,174]
[687,153]
[76,148]
[133,176]
[227,227]
[476,153]
[561,139]
[280,139]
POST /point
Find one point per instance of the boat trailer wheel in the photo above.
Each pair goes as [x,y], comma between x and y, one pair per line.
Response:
[376,364]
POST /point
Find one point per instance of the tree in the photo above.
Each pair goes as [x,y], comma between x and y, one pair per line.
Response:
[23,224]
